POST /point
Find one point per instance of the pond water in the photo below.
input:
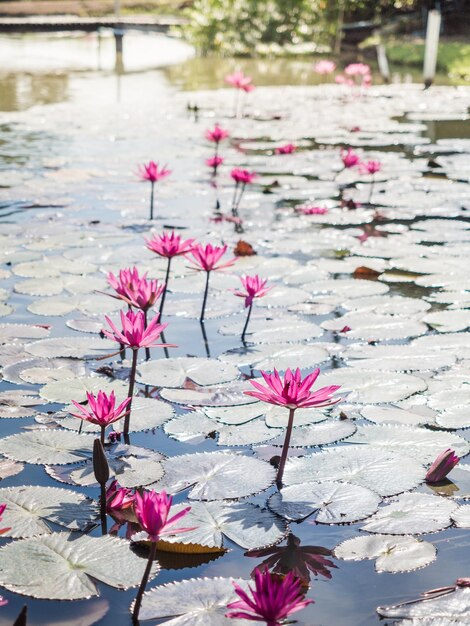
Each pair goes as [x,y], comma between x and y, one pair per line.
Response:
[72,209]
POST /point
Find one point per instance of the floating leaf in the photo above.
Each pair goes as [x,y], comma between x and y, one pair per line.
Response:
[372,387]
[10,468]
[132,466]
[394,415]
[392,554]
[47,446]
[223,395]
[216,475]
[64,391]
[334,502]
[279,356]
[397,357]
[193,602]
[11,332]
[270,330]
[247,525]
[414,514]
[174,372]
[30,508]
[275,416]
[448,606]
[376,327]
[62,567]
[74,347]
[419,443]
[383,471]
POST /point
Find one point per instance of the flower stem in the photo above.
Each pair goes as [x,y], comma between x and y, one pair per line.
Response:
[147,350]
[103,428]
[162,301]
[206,291]
[206,342]
[285,449]
[143,584]
[234,199]
[152,194]
[247,320]
[127,419]
[104,523]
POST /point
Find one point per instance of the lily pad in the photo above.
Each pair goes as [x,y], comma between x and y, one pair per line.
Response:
[413,514]
[383,471]
[246,524]
[193,602]
[30,508]
[174,372]
[47,446]
[63,567]
[392,554]
[216,475]
[452,604]
[74,347]
[333,502]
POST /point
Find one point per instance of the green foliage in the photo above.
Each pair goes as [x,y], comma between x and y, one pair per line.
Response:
[240,27]
[453,57]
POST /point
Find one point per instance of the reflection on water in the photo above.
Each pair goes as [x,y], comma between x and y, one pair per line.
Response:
[23,90]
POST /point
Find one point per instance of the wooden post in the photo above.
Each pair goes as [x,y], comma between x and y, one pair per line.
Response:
[431,48]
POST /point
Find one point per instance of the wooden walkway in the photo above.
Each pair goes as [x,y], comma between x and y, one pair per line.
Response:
[52,23]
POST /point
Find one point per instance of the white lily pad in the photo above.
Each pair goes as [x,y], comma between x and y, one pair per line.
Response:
[372,387]
[11,332]
[275,416]
[174,372]
[421,444]
[395,415]
[10,468]
[216,475]
[47,446]
[413,514]
[279,356]
[270,330]
[74,347]
[322,434]
[222,395]
[392,554]
[30,508]
[397,358]
[333,502]
[246,524]
[63,567]
[451,608]
[383,471]
[448,321]
[376,327]
[193,602]
[64,391]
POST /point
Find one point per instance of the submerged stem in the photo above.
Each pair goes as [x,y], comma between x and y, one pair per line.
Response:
[206,291]
[285,448]
[143,584]
[147,350]
[127,419]
[247,320]
[371,189]
[104,521]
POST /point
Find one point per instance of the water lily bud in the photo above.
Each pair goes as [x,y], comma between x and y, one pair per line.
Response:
[443,464]
[100,463]
[21,620]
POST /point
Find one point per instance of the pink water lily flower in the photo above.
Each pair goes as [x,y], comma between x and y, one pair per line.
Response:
[153,172]
[214,162]
[350,158]
[255,287]
[134,334]
[240,81]
[169,245]
[135,290]
[288,148]
[324,67]
[444,463]
[217,134]
[293,392]
[152,510]
[370,167]
[118,498]
[102,409]
[206,258]
[357,69]
[311,210]
[343,80]
[271,601]
[241,176]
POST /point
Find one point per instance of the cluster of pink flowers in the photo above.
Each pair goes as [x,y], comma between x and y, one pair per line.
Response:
[215,136]
[137,291]
[324,67]
[355,74]
[351,159]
